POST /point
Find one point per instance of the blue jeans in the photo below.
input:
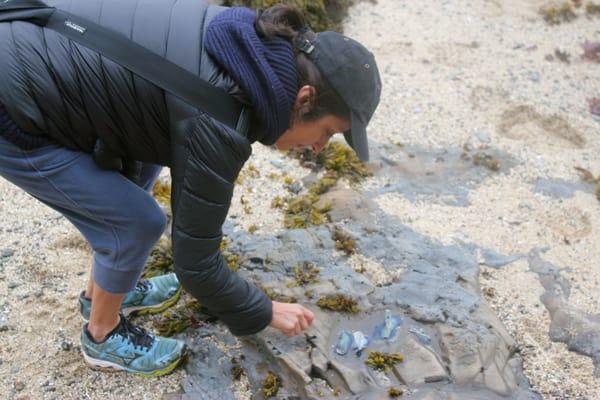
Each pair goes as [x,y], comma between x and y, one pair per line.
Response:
[120,220]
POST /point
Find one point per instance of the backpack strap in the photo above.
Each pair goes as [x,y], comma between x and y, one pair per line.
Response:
[174,79]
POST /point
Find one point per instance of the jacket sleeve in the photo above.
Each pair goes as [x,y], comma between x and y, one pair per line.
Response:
[207,157]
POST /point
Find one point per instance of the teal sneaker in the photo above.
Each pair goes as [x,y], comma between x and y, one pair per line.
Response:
[148,297]
[132,349]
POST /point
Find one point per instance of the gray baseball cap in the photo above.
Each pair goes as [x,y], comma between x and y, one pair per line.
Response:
[352,72]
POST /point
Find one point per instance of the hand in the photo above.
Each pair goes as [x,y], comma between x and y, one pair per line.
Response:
[290,318]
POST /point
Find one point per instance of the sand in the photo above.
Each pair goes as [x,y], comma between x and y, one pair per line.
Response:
[454,72]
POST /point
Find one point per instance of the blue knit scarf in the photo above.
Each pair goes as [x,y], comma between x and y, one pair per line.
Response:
[264,69]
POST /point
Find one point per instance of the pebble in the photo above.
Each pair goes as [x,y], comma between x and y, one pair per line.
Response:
[19,386]
[534,76]
[3,323]
[278,163]
[295,187]
[66,345]
[483,137]
[13,285]
[7,253]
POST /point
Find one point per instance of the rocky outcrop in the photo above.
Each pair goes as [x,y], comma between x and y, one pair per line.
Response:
[453,345]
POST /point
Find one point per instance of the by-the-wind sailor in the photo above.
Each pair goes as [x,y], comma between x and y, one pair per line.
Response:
[360,342]
[389,327]
[343,343]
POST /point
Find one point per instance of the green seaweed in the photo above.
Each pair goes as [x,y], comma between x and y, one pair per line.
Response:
[556,14]
[236,370]
[322,15]
[160,261]
[275,296]
[323,185]
[248,172]
[233,260]
[343,241]
[339,161]
[383,361]
[277,202]
[486,160]
[288,180]
[303,211]
[592,9]
[179,318]
[270,385]
[339,303]
[305,274]
[395,392]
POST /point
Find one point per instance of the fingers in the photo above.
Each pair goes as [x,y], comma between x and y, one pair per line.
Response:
[293,318]
[309,315]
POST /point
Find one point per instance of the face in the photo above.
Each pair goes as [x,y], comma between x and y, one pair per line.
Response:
[315,133]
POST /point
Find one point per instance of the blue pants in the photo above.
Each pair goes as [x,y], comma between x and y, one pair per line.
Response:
[120,220]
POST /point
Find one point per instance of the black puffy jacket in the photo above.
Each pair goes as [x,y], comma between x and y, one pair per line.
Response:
[53,86]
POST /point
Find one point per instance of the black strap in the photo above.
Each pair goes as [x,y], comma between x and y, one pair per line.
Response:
[215,101]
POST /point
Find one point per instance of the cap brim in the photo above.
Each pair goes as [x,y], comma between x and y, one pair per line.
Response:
[357,138]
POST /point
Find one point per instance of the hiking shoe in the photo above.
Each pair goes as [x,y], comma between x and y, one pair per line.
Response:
[132,349]
[148,297]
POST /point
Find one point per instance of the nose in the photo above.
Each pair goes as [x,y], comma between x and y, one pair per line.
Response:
[318,146]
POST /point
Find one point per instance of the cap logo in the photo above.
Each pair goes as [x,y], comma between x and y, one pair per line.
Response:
[367,66]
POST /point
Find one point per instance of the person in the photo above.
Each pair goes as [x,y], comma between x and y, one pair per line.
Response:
[61,104]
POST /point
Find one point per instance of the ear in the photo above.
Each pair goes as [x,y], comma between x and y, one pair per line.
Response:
[304,100]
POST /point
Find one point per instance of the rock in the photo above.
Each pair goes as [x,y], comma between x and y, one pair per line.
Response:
[534,76]
[496,260]
[347,204]
[478,358]
[295,187]
[484,137]
[278,163]
[3,322]
[19,386]
[13,285]
[420,365]
[5,253]
[426,314]
[66,345]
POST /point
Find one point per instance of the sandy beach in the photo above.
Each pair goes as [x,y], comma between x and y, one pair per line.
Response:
[458,76]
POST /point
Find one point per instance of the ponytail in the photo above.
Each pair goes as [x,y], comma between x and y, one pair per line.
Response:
[286,21]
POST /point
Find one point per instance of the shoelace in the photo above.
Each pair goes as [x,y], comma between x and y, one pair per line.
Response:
[143,285]
[135,334]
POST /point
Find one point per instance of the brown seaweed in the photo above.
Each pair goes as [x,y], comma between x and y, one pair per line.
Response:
[339,303]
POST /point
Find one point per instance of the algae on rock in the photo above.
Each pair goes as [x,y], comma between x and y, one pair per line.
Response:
[343,241]
[340,303]
[383,361]
[162,192]
[177,319]
[304,211]
[556,14]
[160,261]
[271,385]
[305,274]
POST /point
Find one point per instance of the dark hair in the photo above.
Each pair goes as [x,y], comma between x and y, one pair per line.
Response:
[286,21]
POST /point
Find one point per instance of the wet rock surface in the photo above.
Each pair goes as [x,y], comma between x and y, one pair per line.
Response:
[451,342]
[569,325]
